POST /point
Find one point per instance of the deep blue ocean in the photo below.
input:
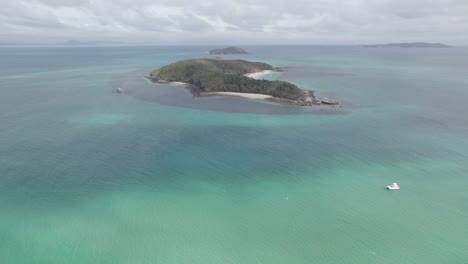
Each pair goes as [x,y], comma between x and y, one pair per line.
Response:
[153,175]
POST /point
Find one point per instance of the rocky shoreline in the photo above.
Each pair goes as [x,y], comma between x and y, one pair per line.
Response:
[309,100]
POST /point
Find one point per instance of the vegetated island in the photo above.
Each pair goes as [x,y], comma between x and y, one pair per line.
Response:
[228,50]
[210,77]
[409,45]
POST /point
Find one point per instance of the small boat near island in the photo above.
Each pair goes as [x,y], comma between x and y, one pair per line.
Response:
[393,187]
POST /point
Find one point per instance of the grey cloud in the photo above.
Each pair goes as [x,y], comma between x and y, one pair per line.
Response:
[260,21]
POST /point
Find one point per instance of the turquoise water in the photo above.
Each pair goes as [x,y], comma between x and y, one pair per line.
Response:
[88,176]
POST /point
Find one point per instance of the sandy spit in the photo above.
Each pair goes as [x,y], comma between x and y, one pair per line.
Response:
[243,95]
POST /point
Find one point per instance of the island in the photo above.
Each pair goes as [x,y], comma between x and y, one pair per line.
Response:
[228,50]
[409,45]
[211,77]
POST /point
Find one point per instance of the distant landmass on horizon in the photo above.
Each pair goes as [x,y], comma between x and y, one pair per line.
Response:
[75,42]
[228,50]
[409,45]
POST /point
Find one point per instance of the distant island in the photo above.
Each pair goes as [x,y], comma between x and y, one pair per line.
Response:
[71,43]
[210,77]
[74,42]
[409,45]
[228,50]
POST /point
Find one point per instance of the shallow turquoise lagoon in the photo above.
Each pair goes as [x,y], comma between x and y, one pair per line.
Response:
[155,176]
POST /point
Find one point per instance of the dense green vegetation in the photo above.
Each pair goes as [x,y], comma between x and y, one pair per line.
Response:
[229,50]
[214,75]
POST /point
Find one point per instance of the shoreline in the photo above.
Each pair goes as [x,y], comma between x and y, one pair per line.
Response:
[243,95]
[310,99]
[258,75]
[155,80]
[253,75]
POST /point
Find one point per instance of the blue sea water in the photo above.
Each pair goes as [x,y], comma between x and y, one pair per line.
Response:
[156,176]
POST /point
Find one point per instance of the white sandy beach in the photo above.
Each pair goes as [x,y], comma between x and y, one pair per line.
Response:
[258,75]
[178,83]
[244,95]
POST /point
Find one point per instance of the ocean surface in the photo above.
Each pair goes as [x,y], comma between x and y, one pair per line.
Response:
[153,175]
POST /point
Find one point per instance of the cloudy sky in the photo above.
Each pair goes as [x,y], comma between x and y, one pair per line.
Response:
[237,22]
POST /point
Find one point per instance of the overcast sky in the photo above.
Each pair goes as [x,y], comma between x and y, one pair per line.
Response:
[235,22]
